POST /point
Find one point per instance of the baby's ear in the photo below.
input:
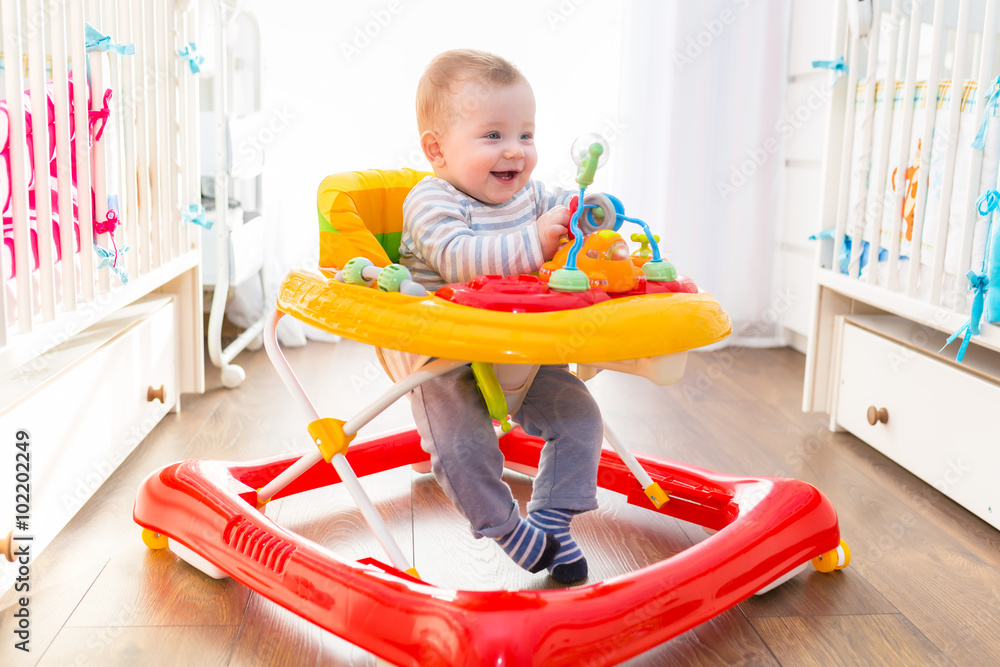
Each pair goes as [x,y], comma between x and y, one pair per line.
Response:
[430,143]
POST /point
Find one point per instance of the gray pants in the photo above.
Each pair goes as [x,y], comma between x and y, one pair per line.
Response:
[457,432]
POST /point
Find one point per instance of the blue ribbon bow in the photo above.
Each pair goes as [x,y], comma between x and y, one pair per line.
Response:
[992,101]
[96,41]
[837,66]
[978,282]
[111,259]
[196,214]
[990,199]
[190,54]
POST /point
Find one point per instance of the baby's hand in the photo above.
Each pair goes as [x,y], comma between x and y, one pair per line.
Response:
[552,225]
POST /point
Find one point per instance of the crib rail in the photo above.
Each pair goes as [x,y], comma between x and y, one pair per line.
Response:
[116,181]
[940,58]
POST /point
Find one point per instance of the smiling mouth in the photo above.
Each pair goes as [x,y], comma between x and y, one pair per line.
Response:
[504,176]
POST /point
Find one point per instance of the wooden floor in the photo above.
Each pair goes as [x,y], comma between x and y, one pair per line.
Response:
[923,587]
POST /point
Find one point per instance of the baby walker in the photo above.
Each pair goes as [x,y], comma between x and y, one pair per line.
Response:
[593,306]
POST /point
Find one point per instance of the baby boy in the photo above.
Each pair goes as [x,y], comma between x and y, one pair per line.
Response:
[482,214]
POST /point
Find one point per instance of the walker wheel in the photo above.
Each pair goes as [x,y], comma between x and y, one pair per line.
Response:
[154,540]
[835,559]
[232,376]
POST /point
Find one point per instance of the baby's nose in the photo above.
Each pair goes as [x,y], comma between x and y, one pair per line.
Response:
[513,151]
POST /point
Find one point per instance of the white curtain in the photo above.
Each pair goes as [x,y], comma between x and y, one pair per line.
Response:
[700,153]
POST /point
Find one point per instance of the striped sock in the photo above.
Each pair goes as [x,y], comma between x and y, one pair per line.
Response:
[529,547]
[569,565]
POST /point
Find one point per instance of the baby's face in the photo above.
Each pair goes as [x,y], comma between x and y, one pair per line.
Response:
[488,150]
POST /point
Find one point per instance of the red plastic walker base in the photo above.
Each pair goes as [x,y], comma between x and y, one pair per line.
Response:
[767,527]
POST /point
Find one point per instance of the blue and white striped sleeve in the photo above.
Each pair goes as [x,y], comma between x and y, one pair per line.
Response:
[443,240]
[548,198]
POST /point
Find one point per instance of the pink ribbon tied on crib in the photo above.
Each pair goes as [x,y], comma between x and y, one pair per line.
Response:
[108,226]
[100,116]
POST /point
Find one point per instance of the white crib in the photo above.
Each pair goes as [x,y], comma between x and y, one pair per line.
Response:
[900,177]
[96,342]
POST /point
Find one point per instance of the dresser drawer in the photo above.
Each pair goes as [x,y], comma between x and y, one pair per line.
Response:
[86,406]
[940,418]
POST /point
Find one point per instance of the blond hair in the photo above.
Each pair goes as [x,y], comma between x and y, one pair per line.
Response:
[444,77]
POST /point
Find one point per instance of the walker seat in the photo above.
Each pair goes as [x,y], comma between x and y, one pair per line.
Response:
[211,513]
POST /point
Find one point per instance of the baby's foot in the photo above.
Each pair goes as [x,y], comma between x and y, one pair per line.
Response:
[569,564]
[528,546]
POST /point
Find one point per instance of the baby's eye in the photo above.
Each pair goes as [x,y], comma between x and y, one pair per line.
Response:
[527,136]
[493,135]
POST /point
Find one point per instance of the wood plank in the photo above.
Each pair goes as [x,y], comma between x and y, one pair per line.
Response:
[204,646]
[727,639]
[276,637]
[141,587]
[888,640]
[944,589]
[977,535]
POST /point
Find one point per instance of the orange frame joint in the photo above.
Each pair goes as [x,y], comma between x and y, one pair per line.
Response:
[328,434]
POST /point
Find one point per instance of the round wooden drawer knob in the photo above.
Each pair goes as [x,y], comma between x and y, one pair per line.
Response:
[7,546]
[876,415]
[158,394]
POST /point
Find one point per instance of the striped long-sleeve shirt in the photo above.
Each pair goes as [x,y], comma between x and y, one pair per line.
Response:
[449,237]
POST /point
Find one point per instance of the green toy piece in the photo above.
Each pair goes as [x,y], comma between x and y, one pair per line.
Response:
[489,386]
[585,174]
[644,253]
[661,272]
[391,277]
[569,280]
[353,271]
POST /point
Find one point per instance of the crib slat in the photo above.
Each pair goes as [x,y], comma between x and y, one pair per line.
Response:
[193,127]
[14,80]
[114,158]
[154,120]
[951,152]
[877,199]
[149,254]
[40,146]
[129,193]
[64,167]
[98,166]
[937,52]
[970,214]
[864,158]
[179,31]
[81,122]
[846,158]
[169,127]
[909,89]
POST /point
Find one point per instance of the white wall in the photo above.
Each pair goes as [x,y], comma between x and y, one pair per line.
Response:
[344,76]
[807,108]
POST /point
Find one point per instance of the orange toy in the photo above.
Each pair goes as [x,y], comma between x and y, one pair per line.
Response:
[605,259]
